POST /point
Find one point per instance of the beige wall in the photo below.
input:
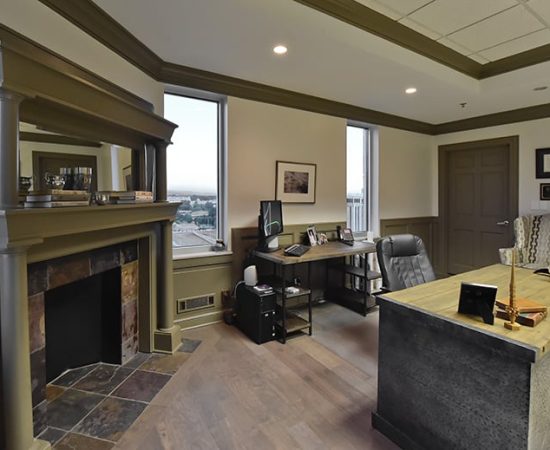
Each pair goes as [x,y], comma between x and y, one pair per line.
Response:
[407,172]
[259,134]
[41,24]
[532,135]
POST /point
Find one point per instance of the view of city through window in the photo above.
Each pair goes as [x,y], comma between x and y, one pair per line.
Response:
[193,169]
[356,143]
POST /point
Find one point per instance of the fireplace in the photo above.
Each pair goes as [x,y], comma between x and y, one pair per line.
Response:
[83,323]
[83,309]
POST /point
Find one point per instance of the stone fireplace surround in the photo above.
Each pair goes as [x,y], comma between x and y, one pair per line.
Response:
[45,276]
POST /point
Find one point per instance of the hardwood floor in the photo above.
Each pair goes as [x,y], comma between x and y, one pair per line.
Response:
[234,394]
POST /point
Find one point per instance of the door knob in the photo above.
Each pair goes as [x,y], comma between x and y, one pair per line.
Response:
[504,223]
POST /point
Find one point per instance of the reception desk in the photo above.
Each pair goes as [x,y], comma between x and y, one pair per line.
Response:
[449,381]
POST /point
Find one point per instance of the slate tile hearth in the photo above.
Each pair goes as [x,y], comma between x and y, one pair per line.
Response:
[91,407]
[103,379]
[111,418]
[142,386]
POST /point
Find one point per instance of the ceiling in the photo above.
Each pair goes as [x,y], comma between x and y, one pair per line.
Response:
[484,30]
[332,59]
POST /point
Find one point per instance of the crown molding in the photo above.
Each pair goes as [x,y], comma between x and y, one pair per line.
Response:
[223,84]
[518,61]
[373,22]
[90,18]
[491,120]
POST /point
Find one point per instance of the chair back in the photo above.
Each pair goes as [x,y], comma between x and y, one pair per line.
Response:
[403,261]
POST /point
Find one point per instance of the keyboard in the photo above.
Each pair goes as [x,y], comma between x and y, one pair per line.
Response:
[296,250]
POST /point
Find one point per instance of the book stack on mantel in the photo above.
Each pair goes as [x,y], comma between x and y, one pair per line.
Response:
[56,198]
[531,313]
[131,197]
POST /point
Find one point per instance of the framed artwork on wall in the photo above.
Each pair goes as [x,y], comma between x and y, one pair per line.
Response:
[295,182]
[545,191]
[543,162]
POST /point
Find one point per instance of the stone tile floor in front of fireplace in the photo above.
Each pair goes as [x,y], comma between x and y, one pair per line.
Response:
[91,407]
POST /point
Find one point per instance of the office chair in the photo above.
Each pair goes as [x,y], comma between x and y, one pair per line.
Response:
[403,262]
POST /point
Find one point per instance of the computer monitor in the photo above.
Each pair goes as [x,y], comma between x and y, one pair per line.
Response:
[270,224]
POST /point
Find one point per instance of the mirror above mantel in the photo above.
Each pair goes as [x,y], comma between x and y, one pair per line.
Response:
[43,152]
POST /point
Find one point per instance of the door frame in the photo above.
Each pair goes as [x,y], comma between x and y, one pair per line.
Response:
[513,195]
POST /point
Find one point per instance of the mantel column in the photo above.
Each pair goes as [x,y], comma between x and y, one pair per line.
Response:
[161,171]
[167,336]
[15,389]
[9,148]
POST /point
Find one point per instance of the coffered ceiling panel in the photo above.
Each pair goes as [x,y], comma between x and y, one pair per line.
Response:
[445,17]
[399,8]
[541,8]
[510,24]
[408,22]
[518,45]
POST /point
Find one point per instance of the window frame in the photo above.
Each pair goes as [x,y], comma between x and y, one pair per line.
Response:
[221,207]
[368,165]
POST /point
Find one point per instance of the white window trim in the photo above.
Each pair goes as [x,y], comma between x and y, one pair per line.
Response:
[371,179]
[206,250]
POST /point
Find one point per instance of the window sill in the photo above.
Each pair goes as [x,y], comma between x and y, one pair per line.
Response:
[206,254]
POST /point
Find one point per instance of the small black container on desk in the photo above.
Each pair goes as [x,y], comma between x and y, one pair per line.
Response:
[256,313]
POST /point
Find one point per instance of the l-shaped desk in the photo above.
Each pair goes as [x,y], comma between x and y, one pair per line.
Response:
[447,380]
[333,250]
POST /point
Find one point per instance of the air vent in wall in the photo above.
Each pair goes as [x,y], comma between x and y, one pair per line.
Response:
[192,303]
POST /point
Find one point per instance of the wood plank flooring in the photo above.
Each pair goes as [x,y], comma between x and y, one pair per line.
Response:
[234,394]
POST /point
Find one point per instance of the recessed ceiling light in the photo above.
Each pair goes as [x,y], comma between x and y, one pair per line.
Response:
[280,49]
[540,88]
[410,90]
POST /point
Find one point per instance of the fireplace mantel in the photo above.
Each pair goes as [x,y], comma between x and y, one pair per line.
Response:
[29,227]
[50,91]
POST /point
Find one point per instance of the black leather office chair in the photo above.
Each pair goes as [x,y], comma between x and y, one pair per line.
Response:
[403,262]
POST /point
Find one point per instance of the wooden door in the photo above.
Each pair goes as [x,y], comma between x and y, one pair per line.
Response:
[480,192]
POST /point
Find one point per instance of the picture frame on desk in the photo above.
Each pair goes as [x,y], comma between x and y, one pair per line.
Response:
[311,232]
[295,182]
[543,162]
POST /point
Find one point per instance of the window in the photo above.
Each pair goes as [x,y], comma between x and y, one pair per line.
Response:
[357,178]
[196,170]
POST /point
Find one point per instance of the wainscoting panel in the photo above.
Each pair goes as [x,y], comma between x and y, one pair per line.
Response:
[197,277]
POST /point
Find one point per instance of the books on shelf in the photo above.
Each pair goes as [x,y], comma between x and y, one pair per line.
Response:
[56,198]
[56,204]
[524,305]
[529,319]
[131,197]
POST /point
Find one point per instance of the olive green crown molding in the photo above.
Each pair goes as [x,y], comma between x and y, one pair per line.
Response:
[491,120]
[97,23]
[367,19]
[518,61]
[90,18]
[361,16]
[223,84]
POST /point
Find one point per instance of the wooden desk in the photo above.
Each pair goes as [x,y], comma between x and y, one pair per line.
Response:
[447,380]
[330,250]
[358,301]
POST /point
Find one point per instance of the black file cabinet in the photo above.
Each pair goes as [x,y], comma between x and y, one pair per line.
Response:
[256,314]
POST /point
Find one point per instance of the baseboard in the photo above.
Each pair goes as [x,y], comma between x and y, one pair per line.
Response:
[393,433]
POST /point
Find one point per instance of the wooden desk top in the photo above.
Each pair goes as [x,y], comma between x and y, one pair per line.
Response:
[440,298]
[333,249]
